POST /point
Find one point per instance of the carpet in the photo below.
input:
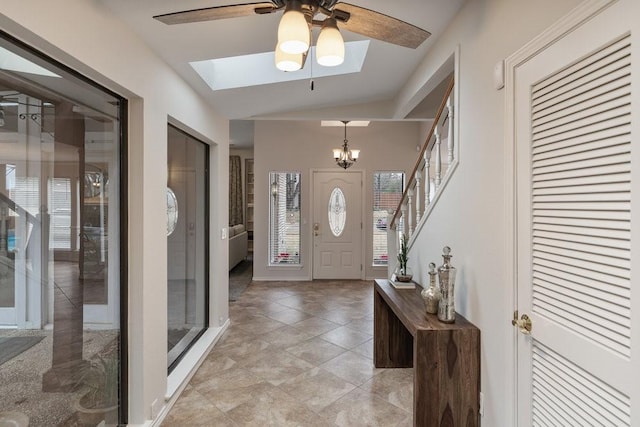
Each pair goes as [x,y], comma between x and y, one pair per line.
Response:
[10,347]
[239,278]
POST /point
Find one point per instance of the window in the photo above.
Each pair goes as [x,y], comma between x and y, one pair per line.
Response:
[172,211]
[62,284]
[337,212]
[387,193]
[187,245]
[284,218]
[60,219]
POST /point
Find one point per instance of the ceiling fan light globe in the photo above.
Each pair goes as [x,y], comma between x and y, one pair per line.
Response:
[294,47]
[330,46]
[287,61]
[288,66]
[294,34]
[330,60]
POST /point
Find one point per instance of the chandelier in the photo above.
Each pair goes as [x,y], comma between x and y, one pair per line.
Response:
[294,38]
[344,156]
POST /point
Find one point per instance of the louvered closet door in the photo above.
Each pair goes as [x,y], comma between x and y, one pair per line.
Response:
[575,118]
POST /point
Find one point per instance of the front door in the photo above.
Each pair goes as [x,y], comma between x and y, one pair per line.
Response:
[337,225]
[24,224]
[578,363]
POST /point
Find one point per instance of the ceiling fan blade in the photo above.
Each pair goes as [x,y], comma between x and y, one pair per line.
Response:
[380,26]
[218,12]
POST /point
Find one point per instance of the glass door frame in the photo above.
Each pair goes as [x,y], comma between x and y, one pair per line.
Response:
[206,266]
[123,160]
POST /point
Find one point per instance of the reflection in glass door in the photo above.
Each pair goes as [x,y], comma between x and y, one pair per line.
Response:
[187,245]
[61,242]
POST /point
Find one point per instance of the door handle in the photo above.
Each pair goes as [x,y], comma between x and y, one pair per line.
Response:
[524,323]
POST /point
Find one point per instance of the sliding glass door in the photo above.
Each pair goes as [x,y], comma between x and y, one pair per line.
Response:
[61,242]
[187,242]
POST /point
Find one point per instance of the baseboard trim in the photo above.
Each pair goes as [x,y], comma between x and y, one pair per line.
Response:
[182,374]
[281,278]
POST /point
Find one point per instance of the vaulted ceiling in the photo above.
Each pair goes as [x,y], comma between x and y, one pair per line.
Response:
[385,69]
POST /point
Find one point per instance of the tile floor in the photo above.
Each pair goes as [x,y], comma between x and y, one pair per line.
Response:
[297,354]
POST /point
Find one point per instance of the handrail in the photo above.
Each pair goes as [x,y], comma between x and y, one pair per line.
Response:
[428,144]
[18,209]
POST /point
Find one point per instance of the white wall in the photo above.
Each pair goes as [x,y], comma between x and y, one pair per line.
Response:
[305,145]
[469,216]
[89,39]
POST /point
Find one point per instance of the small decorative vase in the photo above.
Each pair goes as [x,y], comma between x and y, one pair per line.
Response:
[447,276]
[403,274]
[431,295]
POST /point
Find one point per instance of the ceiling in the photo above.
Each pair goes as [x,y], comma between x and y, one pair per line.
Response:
[385,70]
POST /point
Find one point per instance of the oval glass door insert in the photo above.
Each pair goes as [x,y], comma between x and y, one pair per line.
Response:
[172,211]
[337,212]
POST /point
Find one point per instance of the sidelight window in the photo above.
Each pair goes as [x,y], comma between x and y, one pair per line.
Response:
[387,193]
[284,218]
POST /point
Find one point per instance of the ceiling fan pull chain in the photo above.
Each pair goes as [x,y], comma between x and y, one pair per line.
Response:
[311,64]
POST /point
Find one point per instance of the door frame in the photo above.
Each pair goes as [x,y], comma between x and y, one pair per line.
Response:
[555,32]
[363,239]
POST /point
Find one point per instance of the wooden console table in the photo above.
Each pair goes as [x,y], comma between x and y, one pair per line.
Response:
[445,357]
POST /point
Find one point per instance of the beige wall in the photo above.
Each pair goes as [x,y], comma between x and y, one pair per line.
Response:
[88,38]
[470,215]
[303,146]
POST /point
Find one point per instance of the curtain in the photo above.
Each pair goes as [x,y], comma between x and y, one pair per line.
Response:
[235,191]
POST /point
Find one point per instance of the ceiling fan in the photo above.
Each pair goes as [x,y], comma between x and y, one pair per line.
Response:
[294,31]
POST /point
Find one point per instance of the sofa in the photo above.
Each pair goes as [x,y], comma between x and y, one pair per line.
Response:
[238,245]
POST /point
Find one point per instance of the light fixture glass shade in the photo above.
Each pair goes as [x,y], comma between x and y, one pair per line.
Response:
[330,46]
[344,156]
[294,34]
[288,61]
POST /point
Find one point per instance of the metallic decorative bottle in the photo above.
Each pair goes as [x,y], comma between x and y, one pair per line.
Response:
[431,295]
[447,276]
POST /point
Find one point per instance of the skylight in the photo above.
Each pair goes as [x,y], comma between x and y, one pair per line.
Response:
[259,68]
[338,123]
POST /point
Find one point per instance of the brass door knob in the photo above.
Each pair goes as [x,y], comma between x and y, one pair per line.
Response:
[524,324]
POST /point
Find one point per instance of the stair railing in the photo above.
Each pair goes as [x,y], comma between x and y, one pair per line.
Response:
[434,164]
